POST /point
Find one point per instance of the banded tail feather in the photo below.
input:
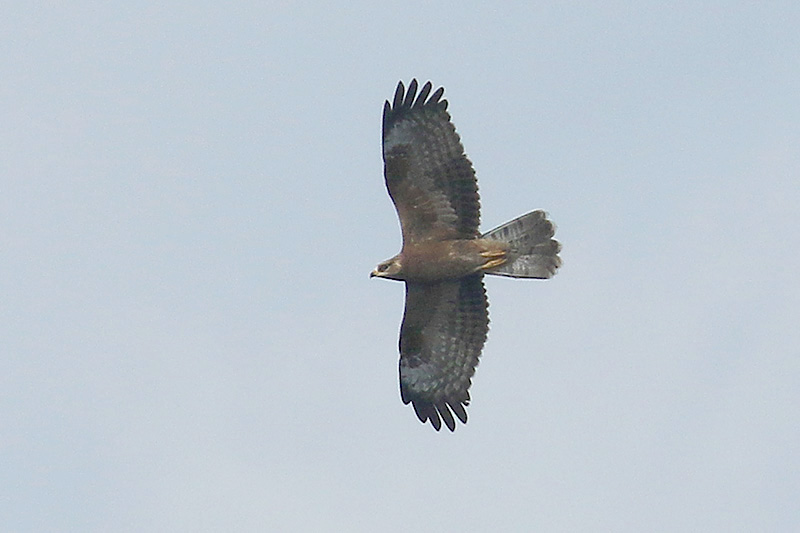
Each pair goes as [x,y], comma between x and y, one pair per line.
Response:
[533,251]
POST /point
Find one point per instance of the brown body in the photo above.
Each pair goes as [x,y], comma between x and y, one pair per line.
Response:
[432,261]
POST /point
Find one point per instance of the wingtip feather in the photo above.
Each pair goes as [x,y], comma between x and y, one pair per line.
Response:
[398,95]
[459,411]
[426,412]
[439,412]
[423,94]
[410,93]
[444,412]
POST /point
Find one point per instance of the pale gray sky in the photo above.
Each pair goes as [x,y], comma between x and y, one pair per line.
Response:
[191,201]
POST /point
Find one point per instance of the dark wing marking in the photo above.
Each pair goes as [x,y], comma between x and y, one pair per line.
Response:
[430,179]
[444,329]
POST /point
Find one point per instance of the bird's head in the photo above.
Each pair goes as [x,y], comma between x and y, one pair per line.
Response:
[389,269]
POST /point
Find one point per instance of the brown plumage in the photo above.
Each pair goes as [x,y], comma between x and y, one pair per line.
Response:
[444,256]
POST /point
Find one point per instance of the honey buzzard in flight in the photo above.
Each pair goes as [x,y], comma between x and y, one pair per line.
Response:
[444,256]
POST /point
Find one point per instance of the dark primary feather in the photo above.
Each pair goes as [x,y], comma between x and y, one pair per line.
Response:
[443,332]
[429,178]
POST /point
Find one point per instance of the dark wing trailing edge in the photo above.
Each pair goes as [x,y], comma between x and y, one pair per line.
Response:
[429,178]
[444,329]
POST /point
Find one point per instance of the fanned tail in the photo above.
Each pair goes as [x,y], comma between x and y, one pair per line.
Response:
[533,252]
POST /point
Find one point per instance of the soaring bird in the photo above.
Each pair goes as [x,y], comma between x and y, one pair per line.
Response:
[444,256]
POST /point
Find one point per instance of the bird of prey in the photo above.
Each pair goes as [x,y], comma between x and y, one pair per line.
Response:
[444,256]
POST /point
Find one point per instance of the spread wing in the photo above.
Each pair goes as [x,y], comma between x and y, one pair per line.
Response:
[430,179]
[444,328]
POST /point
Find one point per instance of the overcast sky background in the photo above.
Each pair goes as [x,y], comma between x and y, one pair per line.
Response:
[191,200]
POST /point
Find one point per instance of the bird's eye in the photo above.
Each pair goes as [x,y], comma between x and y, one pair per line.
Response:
[382,268]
